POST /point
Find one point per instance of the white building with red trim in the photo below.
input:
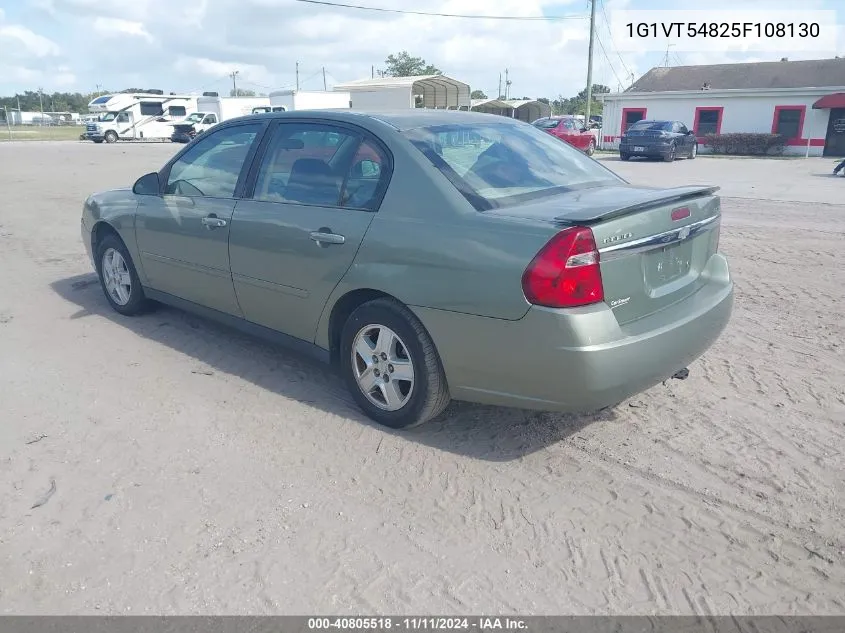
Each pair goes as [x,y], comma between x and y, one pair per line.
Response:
[802,100]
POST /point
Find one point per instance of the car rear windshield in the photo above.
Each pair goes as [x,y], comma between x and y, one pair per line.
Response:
[657,126]
[497,165]
[546,124]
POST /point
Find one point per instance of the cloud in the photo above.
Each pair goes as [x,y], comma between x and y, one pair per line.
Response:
[248,73]
[32,43]
[117,27]
[190,44]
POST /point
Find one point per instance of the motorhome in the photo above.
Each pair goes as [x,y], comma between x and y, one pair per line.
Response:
[131,116]
[213,109]
[286,100]
[230,107]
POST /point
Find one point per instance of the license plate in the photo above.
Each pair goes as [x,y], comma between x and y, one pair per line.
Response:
[639,149]
[669,264]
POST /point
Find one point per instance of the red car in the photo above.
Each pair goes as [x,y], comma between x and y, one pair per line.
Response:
[569,129]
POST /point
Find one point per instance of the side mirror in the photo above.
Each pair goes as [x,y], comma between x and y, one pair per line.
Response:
[147,185]
[691,132]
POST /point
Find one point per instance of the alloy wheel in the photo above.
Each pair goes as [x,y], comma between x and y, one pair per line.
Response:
[382,367]
[116,277]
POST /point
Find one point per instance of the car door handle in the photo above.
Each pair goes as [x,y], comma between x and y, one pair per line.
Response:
[213,222]
[324,237]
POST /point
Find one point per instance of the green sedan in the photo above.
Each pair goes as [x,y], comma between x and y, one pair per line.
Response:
[428,255]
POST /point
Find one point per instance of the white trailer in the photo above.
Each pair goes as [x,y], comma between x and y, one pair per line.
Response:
[136,116]
[288,100]
[226,108]
[213,110]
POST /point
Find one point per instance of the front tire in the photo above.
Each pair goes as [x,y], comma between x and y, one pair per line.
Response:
[118,277]
[390,365]
[591,148]
[670,156]
[110,137]
[694,151]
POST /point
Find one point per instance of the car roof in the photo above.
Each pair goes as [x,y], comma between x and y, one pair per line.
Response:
[406,119]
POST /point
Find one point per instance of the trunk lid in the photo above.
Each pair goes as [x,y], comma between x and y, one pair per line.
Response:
[654,244]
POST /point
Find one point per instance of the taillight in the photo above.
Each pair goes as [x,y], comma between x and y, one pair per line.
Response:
[566,273]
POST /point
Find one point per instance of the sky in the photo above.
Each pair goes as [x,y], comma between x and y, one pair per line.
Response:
[192,45]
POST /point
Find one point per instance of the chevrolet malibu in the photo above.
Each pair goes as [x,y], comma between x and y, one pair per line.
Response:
[428,255]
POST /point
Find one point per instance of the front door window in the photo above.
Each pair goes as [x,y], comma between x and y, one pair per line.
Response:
[211,168]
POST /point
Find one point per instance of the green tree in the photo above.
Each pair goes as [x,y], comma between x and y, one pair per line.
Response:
[478,94]
[30,101]
[240,92]
[404,65]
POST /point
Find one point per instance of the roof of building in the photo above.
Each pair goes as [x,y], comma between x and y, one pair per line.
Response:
[394,82]
[490,103]
[515,103]
[812,73]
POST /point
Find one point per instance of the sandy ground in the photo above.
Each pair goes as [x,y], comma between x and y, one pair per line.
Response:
[166,465]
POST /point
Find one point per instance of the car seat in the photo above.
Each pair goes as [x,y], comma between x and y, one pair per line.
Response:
[312,181]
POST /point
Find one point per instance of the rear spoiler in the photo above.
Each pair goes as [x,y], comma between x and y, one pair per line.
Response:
[653,198]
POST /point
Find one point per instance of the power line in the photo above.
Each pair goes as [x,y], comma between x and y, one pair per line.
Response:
[604,52]
[523,18]
[612,43]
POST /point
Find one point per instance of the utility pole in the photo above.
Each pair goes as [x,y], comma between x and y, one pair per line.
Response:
[324,79]
[507,85]
[41,103]
[590,62]
[297,75]
[98,89]
[234,76]
[8,123]
[499,94]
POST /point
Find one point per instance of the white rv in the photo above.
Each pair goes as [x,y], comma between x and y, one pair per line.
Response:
[212,110]
[286,100]
[231,107]
[130,116]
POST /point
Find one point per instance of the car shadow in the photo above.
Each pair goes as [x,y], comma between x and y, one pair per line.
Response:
[477,431]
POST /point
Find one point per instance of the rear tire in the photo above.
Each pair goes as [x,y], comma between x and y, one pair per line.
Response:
[670,157]
[624,156]
[376,333]
[110,137]
[114,264]
[694,151]
[591,148]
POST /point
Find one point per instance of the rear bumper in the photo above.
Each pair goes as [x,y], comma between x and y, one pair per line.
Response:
[652,150]
[577,360]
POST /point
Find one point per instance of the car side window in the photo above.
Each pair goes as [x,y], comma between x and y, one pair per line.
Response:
[305,163]
[210,118]
[122,117]
[366,178]
[212,166]
[681,128]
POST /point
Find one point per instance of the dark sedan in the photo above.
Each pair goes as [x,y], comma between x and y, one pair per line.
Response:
[658,139]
